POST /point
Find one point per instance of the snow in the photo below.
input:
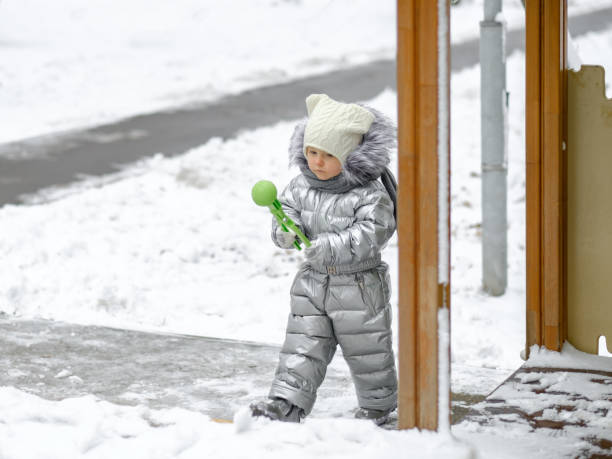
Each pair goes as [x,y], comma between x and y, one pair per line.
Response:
[471,308]
[176,244]
[465,18]
[569,357]
[444,385]
[603,347]
[62,60]
[86,427]
[443,143]
[593,49]
[573,59]
[119,253]
[444,369]
[543,393]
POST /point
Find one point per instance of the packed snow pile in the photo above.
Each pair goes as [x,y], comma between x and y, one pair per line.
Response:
[569,357]
[85,427]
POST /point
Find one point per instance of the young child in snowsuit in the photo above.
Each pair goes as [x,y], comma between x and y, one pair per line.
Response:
[340,295]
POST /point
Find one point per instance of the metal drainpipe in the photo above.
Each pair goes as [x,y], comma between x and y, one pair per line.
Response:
[494,104]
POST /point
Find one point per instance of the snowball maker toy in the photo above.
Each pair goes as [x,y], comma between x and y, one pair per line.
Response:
[264,194]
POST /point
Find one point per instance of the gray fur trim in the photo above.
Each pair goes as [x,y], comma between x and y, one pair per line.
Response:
[364,164]
[296,146]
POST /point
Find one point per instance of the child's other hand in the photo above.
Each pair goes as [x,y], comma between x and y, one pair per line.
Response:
[284,239]
[313,252]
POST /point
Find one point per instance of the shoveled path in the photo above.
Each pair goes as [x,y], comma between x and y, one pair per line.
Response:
[56,360]
[33,164]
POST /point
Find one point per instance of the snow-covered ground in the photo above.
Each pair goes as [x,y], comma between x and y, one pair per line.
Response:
[71,64]
[176,244]
[179,245]
[85,427]
[31,427]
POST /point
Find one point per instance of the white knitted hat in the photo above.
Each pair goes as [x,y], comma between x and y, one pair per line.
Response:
[335,127]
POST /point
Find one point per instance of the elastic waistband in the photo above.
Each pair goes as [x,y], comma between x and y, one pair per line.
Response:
[349,269]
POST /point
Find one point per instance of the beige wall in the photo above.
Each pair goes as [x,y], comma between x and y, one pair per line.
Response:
[589,210]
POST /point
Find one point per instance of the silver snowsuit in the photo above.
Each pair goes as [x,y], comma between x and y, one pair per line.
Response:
[341,297]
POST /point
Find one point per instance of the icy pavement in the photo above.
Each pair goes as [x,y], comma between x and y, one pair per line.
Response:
[56,361]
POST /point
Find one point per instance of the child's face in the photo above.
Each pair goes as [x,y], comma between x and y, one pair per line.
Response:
[322,164]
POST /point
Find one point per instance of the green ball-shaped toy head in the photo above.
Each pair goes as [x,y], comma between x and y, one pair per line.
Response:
[264,193]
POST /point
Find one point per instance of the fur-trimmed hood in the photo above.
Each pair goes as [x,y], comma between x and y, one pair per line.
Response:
[364,164]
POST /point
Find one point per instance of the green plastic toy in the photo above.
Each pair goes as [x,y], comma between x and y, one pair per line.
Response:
[264,194]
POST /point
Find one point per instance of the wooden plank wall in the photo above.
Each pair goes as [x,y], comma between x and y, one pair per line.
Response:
[420,294]
[546,140]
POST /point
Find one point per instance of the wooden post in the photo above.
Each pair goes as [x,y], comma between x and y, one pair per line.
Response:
[546,140]
[421,293]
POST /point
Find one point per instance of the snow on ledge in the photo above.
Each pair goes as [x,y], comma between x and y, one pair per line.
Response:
[569,357]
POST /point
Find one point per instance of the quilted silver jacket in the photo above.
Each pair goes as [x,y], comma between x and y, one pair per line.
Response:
[352,227]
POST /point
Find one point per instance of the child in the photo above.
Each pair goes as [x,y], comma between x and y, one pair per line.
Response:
[340,295]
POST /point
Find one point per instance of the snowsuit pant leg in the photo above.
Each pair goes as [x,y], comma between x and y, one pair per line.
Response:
[309,344]
[359,307]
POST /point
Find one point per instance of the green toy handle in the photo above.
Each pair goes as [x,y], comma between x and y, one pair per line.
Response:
[264,194]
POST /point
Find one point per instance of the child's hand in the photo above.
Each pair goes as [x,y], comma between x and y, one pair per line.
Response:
[284,239]
[313,253]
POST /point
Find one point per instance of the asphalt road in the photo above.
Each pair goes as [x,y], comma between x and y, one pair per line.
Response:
[33,164]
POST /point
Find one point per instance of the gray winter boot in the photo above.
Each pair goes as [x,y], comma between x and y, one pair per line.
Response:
[378,416]
[278,409]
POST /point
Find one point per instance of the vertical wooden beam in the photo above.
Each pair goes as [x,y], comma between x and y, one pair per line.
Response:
[533,82]
[407,91]
[420,292]
[563,325]
[546,137]
[553,165]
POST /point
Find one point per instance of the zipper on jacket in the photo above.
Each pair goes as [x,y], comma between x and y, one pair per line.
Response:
[315,219]
[364,295]
[383,286]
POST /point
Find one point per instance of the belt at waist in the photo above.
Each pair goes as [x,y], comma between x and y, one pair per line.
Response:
[349,269]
